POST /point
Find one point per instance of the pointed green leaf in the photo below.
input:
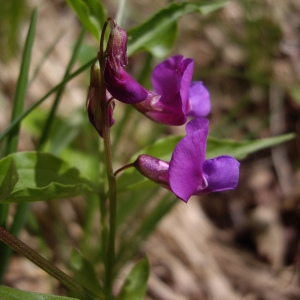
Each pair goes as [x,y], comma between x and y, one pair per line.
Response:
[135,285]
[8,293]
[158,33]
[43,176]
[21,88]
[241,149]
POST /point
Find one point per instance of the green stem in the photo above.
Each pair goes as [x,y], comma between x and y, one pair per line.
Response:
[124,168]
[112,194]
[44,264]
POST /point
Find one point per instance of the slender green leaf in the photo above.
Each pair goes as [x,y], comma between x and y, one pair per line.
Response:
[135,285]
[90,13]
[85,273]
[8,293]
[43,176]
[158,33]
[12,142]
[241,149]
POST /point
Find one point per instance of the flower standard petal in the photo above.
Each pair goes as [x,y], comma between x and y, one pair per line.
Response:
[199,100]
[185,172]
[166,78]
[221,173]
[171,80]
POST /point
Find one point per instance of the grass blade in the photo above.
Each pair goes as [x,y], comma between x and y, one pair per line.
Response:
[21,87]
[13,137]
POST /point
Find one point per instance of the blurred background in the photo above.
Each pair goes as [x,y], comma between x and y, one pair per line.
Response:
[240,244]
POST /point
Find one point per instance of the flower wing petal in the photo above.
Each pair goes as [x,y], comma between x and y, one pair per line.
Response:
[221,173]
[166,78]
[199,100]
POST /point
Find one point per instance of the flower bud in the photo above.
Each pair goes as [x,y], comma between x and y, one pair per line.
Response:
[93,98]
[118,82]
[154,169]
[116,50]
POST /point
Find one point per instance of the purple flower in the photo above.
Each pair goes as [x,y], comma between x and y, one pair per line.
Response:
[175,97]
[118,82]
[189,173]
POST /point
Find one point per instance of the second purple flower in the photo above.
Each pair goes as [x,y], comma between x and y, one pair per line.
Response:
[189,172]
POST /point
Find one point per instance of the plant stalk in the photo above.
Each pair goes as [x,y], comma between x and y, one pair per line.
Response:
[112,194]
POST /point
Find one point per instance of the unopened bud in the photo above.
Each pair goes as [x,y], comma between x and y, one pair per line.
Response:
[154,169]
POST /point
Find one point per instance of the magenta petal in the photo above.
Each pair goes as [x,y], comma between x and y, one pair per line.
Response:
[185,172]
[221,173]
[199,100]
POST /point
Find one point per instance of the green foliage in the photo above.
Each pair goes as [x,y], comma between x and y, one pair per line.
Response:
[241,149]
[157,35]
[135,285]
[8,293]
[91,14]
[42,176]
